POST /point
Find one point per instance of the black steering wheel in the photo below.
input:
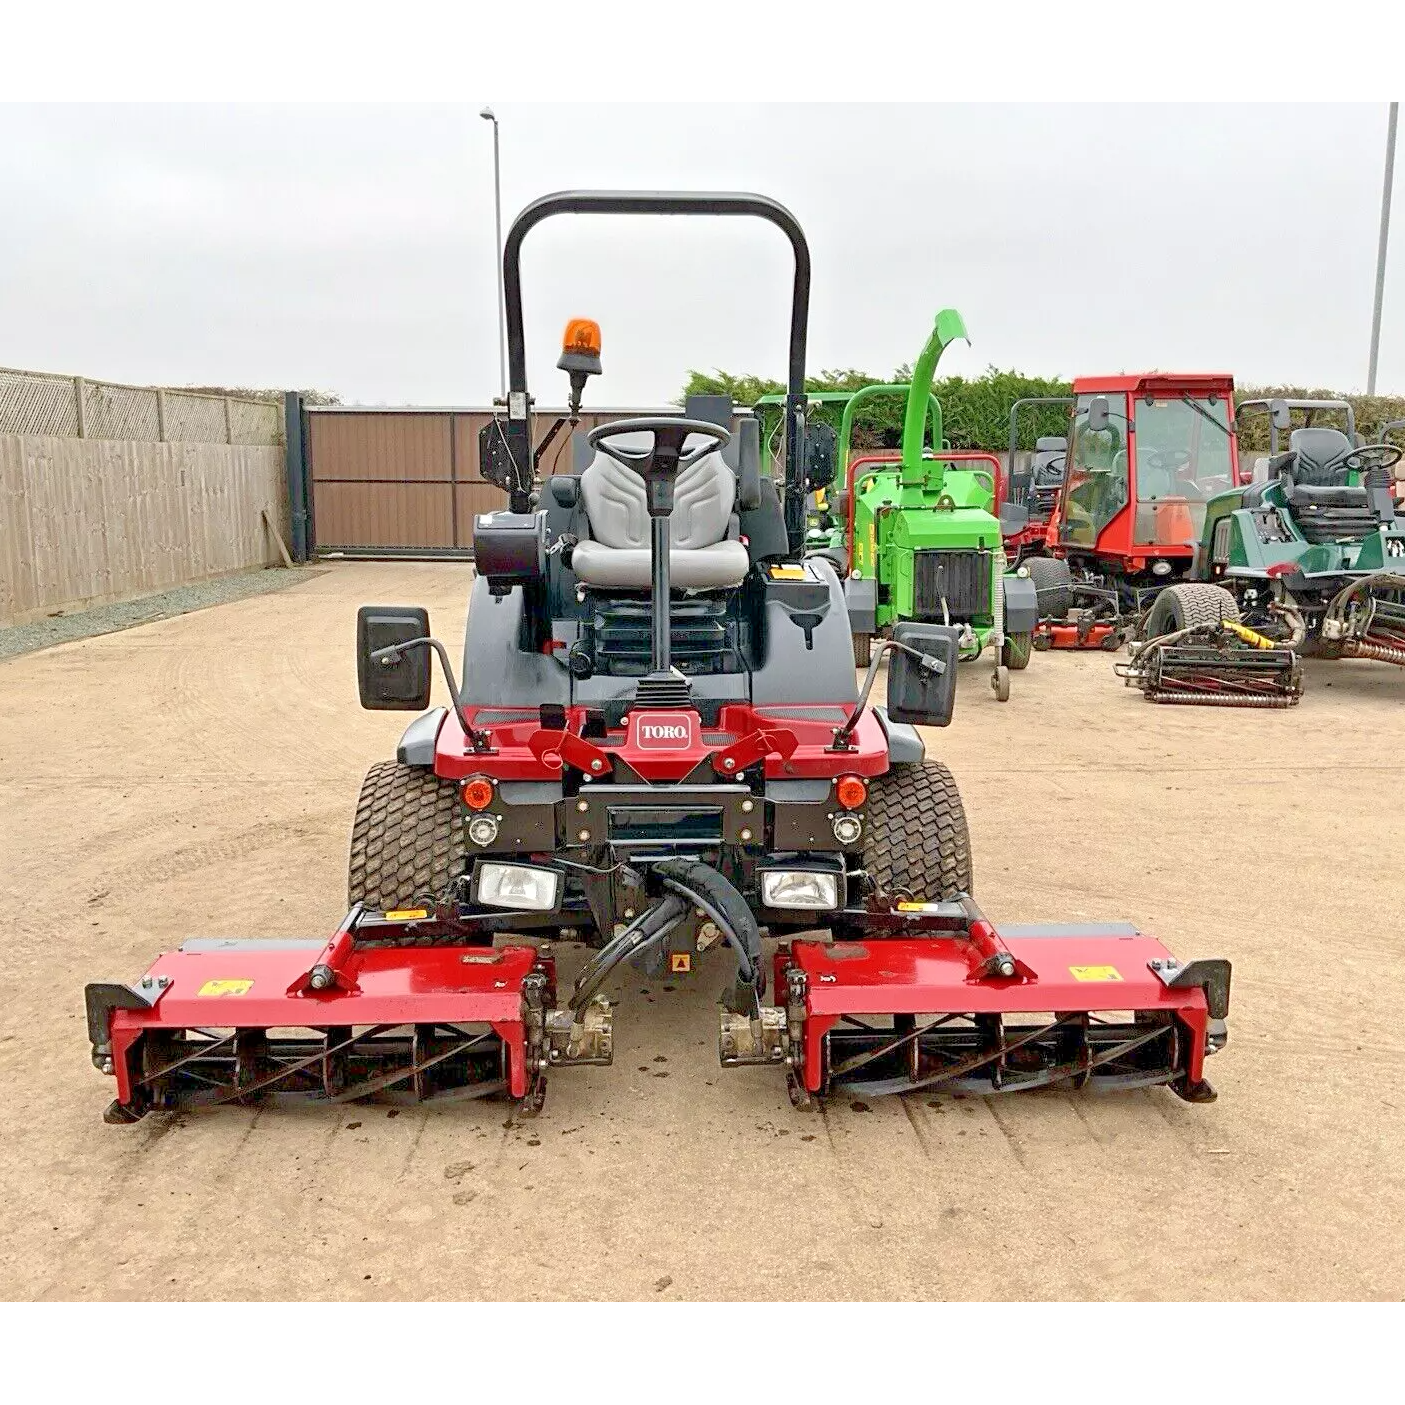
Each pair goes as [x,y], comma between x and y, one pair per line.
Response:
[1168,459]
[1369,456]
[665,451]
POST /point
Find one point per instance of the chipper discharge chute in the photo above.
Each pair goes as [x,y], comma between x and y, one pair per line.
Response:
[660,750]
[919,537]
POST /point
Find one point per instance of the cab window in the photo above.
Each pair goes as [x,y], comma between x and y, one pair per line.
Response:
[1183,459]
[1097,471]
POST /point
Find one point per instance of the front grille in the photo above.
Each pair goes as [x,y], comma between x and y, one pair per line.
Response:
[961,578]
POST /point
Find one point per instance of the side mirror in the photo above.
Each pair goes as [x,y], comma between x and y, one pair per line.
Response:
[1097,413]
[922,690]
[821,454]
[401,683]
[1280,414]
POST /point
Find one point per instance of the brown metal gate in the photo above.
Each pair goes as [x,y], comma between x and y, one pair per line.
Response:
[406,482]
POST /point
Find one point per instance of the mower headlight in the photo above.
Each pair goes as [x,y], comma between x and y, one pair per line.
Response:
[521,887]
[802,888]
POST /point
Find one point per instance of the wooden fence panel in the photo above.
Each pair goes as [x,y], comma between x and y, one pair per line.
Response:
[87,520]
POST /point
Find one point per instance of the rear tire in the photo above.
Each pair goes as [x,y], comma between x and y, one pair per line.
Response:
[917,841]
[1017,650]
[1187,604]
[1053,585]
[407,841]
[863,650]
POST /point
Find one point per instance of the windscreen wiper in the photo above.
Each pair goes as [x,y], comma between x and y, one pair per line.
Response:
[1205,414]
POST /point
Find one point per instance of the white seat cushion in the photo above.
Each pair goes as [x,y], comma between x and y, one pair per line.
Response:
[718,567]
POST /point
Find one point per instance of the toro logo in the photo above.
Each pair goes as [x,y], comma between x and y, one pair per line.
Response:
[664,731]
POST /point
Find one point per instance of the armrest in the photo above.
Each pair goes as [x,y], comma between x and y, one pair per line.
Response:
[748,464]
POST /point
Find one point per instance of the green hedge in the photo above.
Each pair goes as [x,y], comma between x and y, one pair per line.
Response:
[977,412]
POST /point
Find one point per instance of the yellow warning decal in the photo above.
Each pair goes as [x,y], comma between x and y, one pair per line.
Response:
[787,573]
[1095,973]
[407,914]
[218,988]
[919,907]
[681,962]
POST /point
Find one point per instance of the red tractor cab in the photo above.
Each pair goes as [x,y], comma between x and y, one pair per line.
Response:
[1145,454]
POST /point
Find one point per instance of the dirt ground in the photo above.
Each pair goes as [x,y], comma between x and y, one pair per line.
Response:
[196,776]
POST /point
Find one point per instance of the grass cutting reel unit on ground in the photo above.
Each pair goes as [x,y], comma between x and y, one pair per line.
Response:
[661,750]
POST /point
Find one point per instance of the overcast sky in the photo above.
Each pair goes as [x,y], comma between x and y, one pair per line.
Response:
[351,248]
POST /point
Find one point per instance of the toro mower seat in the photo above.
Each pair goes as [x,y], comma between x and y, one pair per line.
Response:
[705,552]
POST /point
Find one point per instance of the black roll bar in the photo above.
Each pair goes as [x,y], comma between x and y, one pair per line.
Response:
[1015,426]
[660,202]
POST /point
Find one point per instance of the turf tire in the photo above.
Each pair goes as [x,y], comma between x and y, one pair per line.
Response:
[917,841]
[407,841]
[1053,585]
[1187,604]
[1016,652]
[863,650]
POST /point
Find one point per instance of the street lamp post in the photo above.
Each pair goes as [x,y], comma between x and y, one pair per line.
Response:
[1380,254]
[488,116]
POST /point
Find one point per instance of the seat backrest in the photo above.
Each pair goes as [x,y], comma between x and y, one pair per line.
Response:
[1313,449]
[615,505]
[1050,452]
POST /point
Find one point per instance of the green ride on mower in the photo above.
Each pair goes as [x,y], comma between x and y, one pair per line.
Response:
[1314,549]
[660,750]
[921,542]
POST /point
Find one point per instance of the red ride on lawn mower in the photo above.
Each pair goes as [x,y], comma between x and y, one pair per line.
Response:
[659,749]
[1145,454]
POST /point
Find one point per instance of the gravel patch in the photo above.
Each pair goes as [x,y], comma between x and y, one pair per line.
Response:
[64,628]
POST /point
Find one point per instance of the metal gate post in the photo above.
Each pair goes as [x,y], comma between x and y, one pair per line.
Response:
[295,457]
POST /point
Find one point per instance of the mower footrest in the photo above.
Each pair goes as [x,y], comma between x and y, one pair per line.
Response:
[1001,1010]
[267,1021]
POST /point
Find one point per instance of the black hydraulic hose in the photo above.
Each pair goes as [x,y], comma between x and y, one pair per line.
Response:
[647,930]
[748,962]
[1378,580]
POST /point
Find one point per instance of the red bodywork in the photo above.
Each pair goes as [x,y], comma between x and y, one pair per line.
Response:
[793,746]
[1115,541]
[1057,969]
[267,986]
[1052,635]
